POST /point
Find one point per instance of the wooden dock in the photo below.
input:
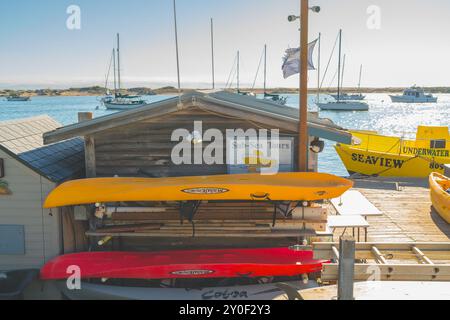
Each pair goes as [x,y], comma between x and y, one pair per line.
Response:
[407,212]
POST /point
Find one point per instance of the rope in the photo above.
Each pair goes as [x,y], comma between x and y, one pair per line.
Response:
[329,61]
[231,72]
[109,71]
[257,70]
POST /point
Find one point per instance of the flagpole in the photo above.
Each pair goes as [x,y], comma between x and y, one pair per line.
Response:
[303,90]
[177,54]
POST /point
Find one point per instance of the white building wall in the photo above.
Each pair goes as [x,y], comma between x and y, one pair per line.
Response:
[24,207]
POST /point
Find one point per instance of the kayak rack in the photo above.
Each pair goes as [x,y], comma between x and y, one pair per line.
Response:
[270,219]
[411,261]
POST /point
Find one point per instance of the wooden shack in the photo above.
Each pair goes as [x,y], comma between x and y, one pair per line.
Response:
[139,143]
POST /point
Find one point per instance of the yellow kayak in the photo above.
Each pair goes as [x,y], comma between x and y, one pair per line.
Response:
[439,185]
[282,186]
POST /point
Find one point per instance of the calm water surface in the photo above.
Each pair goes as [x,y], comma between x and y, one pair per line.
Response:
[384,116]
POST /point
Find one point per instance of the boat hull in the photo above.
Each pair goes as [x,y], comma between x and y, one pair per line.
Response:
[344,106]
[122,106]
[185,264]
[373,163]
[439,197]
[406,99]
[20,99]
[260,292]
[352,97]
[246,187]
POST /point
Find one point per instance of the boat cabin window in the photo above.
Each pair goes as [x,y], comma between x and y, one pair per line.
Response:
[438,144]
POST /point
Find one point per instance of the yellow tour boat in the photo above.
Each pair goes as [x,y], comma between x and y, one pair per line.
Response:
[373,154]
[440,198]
[307,186]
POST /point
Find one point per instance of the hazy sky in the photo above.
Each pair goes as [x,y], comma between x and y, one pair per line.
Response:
[37,49]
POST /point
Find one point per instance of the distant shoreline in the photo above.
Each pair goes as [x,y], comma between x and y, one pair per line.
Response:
[99,91]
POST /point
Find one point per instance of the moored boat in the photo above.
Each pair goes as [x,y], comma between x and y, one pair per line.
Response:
[440,194]
[17,98]
[378,155]
[120,101]
[344,106]
[349,97]
[414,95]
[123,102]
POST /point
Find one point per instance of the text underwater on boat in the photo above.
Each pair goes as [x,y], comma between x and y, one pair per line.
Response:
[373,154]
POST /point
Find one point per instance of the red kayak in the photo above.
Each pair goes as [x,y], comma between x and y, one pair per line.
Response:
[230,263]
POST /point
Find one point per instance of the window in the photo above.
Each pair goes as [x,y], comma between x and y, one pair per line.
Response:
[438,144]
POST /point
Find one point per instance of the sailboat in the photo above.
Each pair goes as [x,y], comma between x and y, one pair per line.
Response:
[238,89]
[274,97]
[352,97]
[121,101]
[339,104]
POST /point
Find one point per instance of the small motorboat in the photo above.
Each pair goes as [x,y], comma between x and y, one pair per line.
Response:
[414,95]
[440,194]
[17,98]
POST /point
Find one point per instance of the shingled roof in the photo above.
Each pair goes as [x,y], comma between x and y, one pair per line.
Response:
[22,135]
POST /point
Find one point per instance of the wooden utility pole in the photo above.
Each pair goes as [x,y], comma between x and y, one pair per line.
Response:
[212,55]
[303,98]
[89,147]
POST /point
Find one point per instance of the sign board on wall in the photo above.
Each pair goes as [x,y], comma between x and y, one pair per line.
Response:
[258,153]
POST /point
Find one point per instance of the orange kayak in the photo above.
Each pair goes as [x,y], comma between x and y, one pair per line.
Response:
[242,187]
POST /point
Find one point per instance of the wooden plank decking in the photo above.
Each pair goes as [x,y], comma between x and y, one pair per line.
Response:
[407,213]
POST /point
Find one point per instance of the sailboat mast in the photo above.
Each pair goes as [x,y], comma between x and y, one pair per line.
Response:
[359,83]
[118,62]
[343,71]
[212,54]
[265,68]
[237,74]
[114,67]
[339,67]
